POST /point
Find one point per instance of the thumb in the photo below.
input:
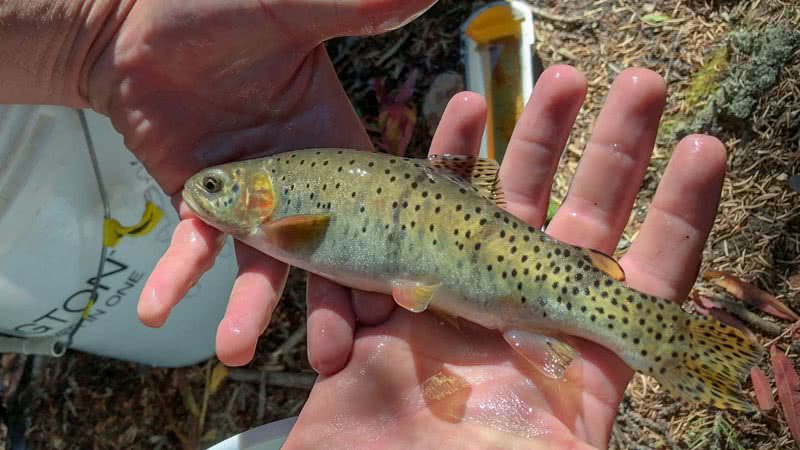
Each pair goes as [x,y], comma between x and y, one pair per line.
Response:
[362,17]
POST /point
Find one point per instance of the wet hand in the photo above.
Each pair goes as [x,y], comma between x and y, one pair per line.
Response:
[417,381]
[193,84]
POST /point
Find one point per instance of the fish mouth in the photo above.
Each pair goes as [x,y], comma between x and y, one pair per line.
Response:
[189,197]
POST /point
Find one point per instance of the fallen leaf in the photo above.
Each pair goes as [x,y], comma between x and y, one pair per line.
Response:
[788,384]
[397,123]
[218,375]
[762,389]
[751,295]
[397,117]
[708,307]
[655,18]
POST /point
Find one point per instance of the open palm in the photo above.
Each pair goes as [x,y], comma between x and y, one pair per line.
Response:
[416,381]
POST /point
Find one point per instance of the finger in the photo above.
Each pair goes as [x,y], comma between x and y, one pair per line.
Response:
[612,167]
[371,308]
[538,141]
[191,253]
[665,257]
[461,128]
[330,325]
[257,289]
[360,17]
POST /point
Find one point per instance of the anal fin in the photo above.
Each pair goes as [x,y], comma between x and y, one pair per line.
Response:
[549,355]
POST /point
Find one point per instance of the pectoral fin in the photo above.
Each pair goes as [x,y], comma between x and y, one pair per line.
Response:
[413,295]
[548,354]
[297,232]
[606,264]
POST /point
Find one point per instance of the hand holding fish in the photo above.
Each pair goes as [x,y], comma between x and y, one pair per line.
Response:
[417,380]
[192,84]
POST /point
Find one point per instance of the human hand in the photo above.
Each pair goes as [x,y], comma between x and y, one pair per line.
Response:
[415,381]
[193,84]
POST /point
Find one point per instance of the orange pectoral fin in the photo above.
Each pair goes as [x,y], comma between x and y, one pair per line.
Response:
[297,232]
[606,264]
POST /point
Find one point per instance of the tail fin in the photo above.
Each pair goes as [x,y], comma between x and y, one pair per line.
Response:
[712,365]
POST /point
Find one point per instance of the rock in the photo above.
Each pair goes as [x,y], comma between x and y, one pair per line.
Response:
[444,86]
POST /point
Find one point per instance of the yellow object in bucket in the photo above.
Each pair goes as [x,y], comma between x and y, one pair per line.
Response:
[498,40]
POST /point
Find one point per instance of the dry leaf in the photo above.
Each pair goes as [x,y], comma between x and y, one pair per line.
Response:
[794,281]
[788,384]
[218,375]
[762,389]
[751,295]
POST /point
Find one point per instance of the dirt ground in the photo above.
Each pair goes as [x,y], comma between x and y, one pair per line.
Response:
[731,70]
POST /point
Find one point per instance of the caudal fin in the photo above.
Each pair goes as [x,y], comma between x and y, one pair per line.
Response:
[712,365]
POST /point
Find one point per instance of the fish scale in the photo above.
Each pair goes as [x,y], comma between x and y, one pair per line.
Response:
[421,231]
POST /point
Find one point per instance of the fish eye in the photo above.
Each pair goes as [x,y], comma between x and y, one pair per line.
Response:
[212,185]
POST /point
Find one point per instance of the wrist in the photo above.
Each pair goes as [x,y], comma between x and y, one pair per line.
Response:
[47,47]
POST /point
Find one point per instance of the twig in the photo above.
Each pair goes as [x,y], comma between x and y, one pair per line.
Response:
[296,380]
[289,343]
[389,53]
[792,328]
[543,14]
[262,397]
[740,311]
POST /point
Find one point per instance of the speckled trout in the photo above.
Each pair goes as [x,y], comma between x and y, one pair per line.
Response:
[432,233]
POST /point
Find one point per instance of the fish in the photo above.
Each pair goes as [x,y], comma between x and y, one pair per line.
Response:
[433,233]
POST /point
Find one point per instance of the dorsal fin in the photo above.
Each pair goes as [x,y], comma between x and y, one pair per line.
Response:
[478,173]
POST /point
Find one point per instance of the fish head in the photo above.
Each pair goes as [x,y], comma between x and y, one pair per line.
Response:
[234,198]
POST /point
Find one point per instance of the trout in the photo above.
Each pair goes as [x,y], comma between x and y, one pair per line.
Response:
[433,234]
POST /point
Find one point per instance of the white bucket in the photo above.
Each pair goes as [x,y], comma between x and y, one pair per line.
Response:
[51,223]
[271,436]
[500,36]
